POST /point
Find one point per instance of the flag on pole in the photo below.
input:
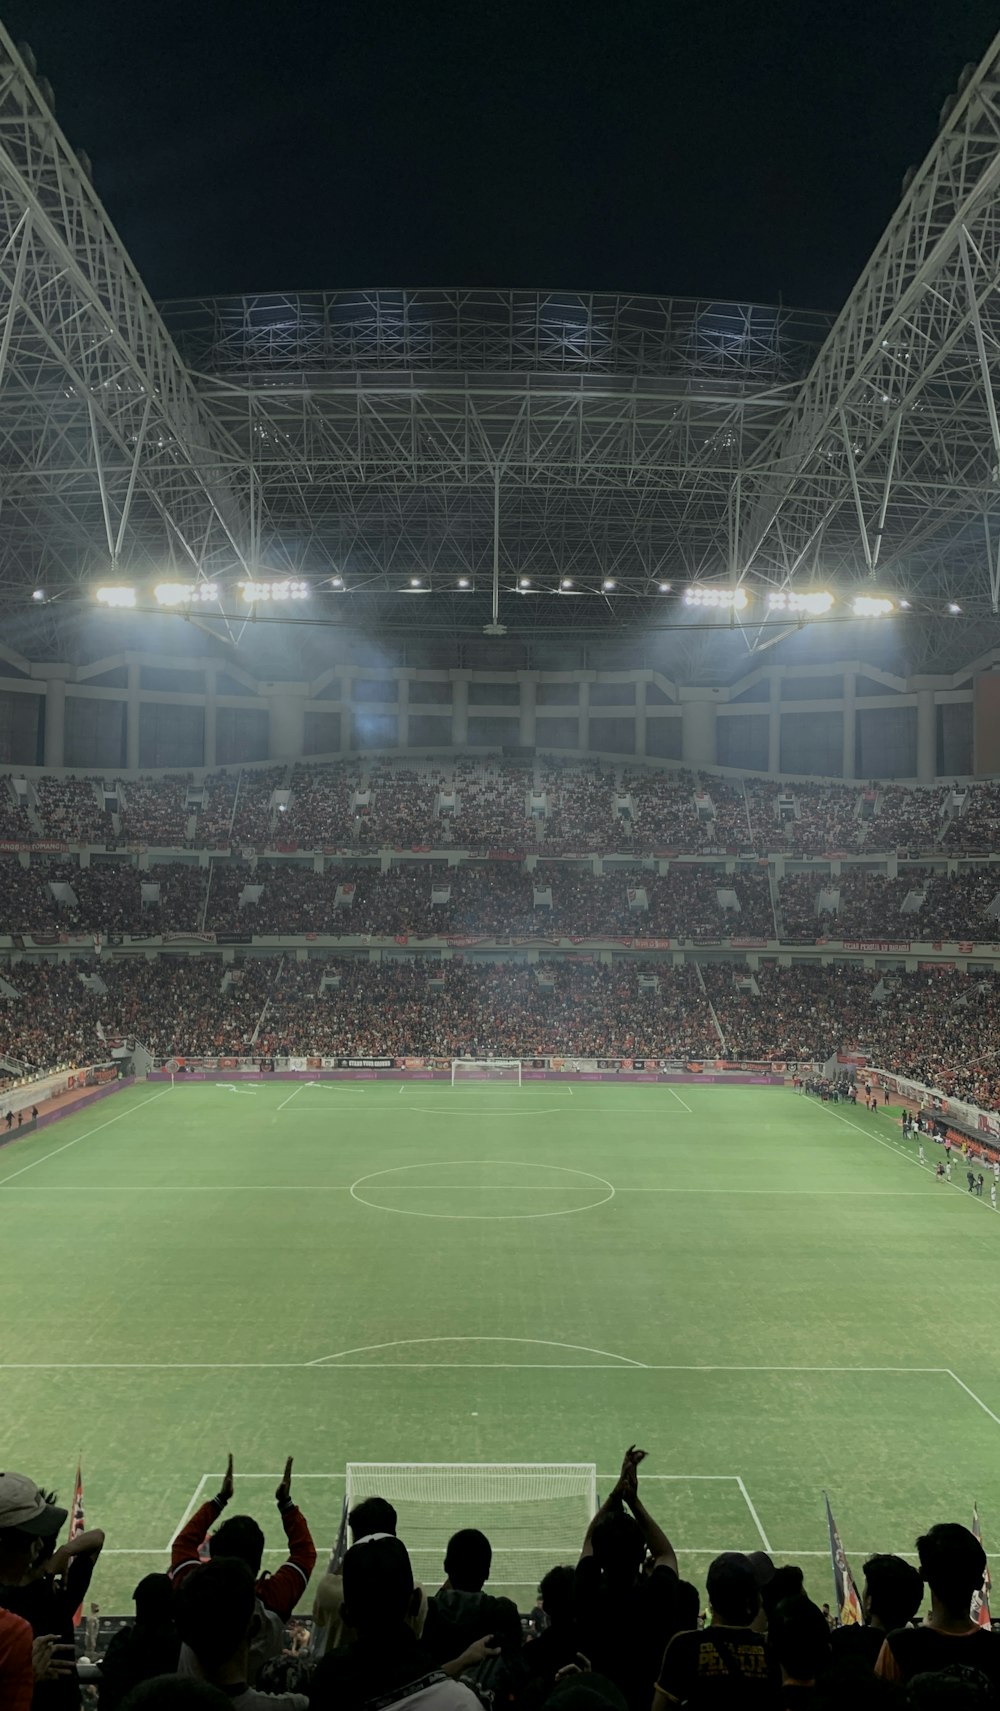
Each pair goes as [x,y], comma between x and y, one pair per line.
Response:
[847,1601]
[77,1525]
[980,1611]
[101,1035]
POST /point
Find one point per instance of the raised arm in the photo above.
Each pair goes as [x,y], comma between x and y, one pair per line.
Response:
[657,1543]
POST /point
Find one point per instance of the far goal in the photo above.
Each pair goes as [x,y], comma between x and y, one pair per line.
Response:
[535,1514]
[485,1069]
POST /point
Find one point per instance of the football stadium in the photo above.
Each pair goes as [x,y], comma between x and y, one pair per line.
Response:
[499,973]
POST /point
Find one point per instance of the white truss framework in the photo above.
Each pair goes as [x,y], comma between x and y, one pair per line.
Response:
[503,443]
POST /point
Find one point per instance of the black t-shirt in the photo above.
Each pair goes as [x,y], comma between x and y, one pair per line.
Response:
[368,1669]
[626,1628]
[856,1645]
[924,1651]
[719,1666]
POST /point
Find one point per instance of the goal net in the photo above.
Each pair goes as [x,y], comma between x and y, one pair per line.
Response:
[534,1514]
[485,1069]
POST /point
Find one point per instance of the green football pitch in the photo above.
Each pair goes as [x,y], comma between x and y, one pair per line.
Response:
[772,1298]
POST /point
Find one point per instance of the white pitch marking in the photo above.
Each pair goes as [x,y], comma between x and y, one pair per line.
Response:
[482,1217]
[679,1100]
[192,1505]
[297,1089]
[756,1518]
[84,1137]
[535,1342]
[977,1399]
[901,1153]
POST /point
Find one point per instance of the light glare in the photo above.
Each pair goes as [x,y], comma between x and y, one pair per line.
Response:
[115,596]
[813,601]
[731,599]
[291,588]
[871,606]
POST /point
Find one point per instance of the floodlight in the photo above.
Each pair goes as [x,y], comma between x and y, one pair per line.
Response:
[524,582]
[730,599]
[812,602]
[290,588]
[463,582]
[336,582]
[953,606]
[414,582]
[115,596]
[38,594]
[185,593]
[665,587]
[872,606]
[567,582]
[608,583]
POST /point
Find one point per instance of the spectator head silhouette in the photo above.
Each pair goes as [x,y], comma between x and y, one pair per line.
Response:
[215,1607]
[799,1636]
[372,1515]
[953,1563]
[240,1537]
[556,1594]
[893,1592]
[732,1589]
[468,1559]
[379,1593]
[618,1547]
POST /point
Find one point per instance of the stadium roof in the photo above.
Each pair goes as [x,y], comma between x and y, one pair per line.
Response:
[543,461]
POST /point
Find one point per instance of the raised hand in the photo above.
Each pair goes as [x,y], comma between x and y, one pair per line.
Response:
[226,1490]
[283,1495]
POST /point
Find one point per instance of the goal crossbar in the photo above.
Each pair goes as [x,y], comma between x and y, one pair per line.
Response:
[486,1069]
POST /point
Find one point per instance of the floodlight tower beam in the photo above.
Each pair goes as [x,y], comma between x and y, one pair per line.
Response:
[897,413]
[74,306]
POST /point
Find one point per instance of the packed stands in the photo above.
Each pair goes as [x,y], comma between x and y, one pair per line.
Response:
[547,807]
[941,1028]
[193,1005]
[919,905]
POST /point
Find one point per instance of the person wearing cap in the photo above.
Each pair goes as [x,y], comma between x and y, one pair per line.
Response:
[726,1663]
[48,1599]
[27,1522]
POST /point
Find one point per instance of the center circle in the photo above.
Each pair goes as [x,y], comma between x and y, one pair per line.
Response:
[482,1190]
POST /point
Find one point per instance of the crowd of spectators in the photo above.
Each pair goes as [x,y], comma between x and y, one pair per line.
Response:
[190,1006]
[941,1028]
[561,808]
[106,897]
[618,1629]
[692,903]
[944,908]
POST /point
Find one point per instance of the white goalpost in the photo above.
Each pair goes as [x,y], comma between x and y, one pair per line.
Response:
[534,1514]
[485,1069]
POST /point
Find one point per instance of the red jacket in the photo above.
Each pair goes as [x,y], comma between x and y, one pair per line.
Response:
[279,1592]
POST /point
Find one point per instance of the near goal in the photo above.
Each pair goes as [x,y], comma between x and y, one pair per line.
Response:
[485,1069]
[535,1514]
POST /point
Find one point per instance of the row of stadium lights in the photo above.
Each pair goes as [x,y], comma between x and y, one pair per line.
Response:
[811,604]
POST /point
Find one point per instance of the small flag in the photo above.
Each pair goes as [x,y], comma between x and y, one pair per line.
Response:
[849,1611]
[98,944]
[101,1035]
[980,1611]
[77,1525]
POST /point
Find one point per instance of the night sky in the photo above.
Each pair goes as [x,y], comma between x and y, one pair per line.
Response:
[733,148]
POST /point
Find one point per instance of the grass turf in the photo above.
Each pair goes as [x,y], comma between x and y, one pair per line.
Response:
[773,1293]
